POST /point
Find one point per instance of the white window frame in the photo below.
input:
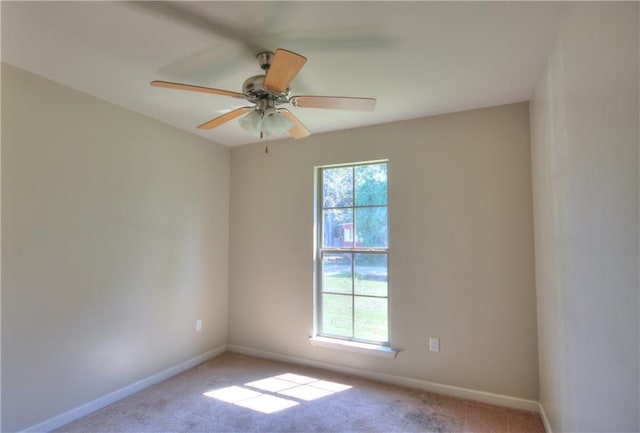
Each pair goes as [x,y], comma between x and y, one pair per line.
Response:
[320,337]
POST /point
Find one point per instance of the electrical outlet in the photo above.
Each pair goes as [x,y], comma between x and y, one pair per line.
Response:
[434,344]
[198,325]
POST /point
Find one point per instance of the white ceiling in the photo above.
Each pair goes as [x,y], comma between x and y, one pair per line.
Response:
[416,58]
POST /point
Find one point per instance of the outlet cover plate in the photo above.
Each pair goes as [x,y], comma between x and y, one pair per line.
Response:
[434,344]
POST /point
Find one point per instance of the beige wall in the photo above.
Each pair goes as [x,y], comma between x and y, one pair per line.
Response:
[461,247]
[115,240]
[116,229]
[116,234]
[584,124]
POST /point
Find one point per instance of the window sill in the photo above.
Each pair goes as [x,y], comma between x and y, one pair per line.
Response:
[352,346]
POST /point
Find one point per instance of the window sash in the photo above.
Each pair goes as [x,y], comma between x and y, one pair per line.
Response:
[321,327]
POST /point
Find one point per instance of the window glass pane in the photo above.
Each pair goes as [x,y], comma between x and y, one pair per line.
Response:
[371,274]
[337,226]
[337,317]
[371,184]
[336,273]
[353,292]
[371,319]
[337,187]
[371,227]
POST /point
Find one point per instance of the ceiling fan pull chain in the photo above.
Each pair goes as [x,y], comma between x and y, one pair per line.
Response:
[261,120]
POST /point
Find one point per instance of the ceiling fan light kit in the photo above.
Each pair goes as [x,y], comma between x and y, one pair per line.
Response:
[266,119]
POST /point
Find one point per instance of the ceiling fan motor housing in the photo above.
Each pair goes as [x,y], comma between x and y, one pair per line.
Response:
[255,90]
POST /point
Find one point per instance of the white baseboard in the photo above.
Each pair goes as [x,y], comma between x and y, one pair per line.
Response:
[454,391]
[545,420]
[99,403]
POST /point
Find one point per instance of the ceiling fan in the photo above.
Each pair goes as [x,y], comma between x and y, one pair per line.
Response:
[268,93]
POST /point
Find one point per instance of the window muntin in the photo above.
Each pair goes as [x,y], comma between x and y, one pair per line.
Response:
[352,295]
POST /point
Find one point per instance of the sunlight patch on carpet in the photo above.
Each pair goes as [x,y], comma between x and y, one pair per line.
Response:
[232,394]
[270,400]
[307,393]
[251,399]
[267,403]
[271,384]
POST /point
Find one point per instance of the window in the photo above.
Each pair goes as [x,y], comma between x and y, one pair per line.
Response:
[352,285]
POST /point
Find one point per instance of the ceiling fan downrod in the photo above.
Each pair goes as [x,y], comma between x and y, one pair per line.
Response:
[264,60]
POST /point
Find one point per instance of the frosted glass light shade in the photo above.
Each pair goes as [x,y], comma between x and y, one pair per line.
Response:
[252,123]
[269,122]
[275,124]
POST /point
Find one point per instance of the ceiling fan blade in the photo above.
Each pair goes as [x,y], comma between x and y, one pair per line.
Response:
[196,16]
[225,118]
[337,102]
[284,67]
[180,86]
[298,130]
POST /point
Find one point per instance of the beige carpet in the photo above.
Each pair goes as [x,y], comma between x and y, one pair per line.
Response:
[238,393]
